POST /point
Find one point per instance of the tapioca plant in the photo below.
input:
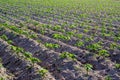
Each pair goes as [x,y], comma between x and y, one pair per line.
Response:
[29,57]
[57,28]
[108,77]
[34,60]
[79,44]
[1,78]
[51,45]
[72,26]
[42,31]
[43,72]
[17,49]
[103,53]
[88,39]
[61,36]
[117,66]
[79,35]
[88,67]
[70,33]
[94,47]
[68,55]
[33,36]
[4,37]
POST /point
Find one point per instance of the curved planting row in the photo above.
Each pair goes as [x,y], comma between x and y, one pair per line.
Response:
[55,62]
[20,65]
[36,49]
[59,40]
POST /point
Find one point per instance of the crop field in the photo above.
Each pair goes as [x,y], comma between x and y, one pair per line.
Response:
[59,39]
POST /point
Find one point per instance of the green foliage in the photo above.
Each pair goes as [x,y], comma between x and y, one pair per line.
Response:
[88,67]
[79,35]
[43,72]
[51,45]
[2,78]
[34,60]
[88,39]
[14,28]
[86,30]
[117,66]
[79,44]
[17,49]
[106,35]
[94,47]
[108,77]
[33,36]
[113,45]
[27,54]
[104,53]
[72,26]
[14,48]
[70,33]
[61,36]
[42,31]
[10,41]
[57,28]
[4,37]
[68,55]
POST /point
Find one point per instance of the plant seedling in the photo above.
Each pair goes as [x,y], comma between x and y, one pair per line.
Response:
[79,35]
[14,48]
[72,26]
[117,66]
[33,36]
[70,33]
[108,77]
[60,36]
[113,45]
[50,45]
[10,41]
[27,54]
[4,37]
[1,78]
[57,28]
[94,47]
[43,72]
[42,31]
[88,39]
[34,60]
[68,55]
[79,44]
[88,67]
[103,53]
[86,30]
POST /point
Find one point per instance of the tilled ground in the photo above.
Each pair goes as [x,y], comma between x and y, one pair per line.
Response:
[47,36]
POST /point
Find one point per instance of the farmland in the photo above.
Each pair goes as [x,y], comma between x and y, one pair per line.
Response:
[59,39]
